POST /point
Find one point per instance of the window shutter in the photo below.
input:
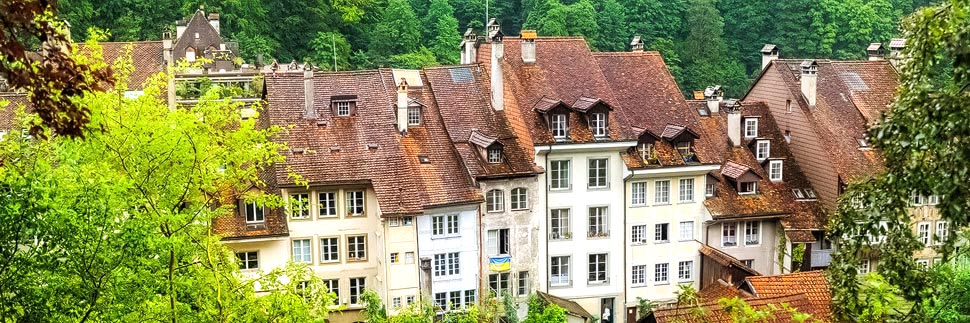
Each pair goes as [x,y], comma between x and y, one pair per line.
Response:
[241,207]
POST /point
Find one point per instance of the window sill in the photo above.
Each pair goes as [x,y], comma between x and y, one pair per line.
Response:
[661,204]
[661,241]
[598,188]
[356,260]
[686,240]
[523,209]
[325,263]
[495,211]
[686,202]
[328,217]
[598,283]
[446,278]
[638,285]
[664,283]
[445,236]
[687,281]
[560,190]
[633,206]
[356,216]
[729,246]
[638,244]
[752,244]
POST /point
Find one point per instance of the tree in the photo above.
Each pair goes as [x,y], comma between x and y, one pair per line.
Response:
[703,52]
[655,18]
[541,311]
[442,30]
[116,227]
[577,19]
[396,33]
[611,17]
[921,141]
[329,49]
[416,60]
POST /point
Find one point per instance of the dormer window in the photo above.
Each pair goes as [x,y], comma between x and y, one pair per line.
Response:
[190,54]
[799,195]
[560,126]
[810,193]
[750,127]
[597,123]
[747,188]
[775,170]
[648,152]
[684,148]
[763,149]
[414,115]
[343,108]
[495,154]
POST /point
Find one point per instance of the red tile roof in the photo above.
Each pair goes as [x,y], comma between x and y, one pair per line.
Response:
[8,113]
[147,59]
[813,284]
[725,259]
[714,312]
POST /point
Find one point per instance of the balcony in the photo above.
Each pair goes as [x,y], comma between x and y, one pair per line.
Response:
[821,258]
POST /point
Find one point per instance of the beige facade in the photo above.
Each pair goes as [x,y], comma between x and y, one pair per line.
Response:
[512,231]
[754,242]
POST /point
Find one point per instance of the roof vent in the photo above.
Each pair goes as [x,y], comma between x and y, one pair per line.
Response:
[335,149]
[323,123]
[297,150]
[424,159]
[372,146]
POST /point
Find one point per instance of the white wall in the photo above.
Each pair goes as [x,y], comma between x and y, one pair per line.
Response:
[465,243]
[764,254]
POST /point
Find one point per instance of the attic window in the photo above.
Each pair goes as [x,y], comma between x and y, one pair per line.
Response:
[196,35]
[775,170]
[648,152]
[414,115]
[686,150]
[703,112]
[788,136]
[810,193]
[747,187]
[559,125]
[343,108]
[424,159]
[495,154]
[863,143]
[597,123]
[750,127]
[190,54]
[798,193]
[763,149]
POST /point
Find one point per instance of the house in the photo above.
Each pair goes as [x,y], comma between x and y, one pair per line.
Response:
[824,108]
[665,177]
[502,167]
[761,204]
[574,312]
[560,104]
[392,211]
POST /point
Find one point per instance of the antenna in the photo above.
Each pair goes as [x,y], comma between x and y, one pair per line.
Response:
[333,47]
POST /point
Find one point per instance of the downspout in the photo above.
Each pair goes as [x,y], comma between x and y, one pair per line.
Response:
[548,215]
[481,253]
[386,265]
[626,296]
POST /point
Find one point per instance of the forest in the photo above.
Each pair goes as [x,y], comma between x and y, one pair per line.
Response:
[704,42]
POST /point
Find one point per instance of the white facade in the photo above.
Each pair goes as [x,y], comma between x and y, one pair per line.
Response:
[576,240]
[448,252]
[752,241]
[665,220]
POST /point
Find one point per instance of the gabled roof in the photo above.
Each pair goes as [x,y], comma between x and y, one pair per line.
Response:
[147,59]
[480,139]
[714,312]
[208,36]
[768,48]
[725,259]
[734,170]
[546,104]
[584,104]
[673,131]
[570,306]
[813,284]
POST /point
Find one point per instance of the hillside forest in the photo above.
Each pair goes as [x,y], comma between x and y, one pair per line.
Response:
[704,42]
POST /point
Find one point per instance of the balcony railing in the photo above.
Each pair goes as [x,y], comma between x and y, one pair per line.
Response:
[821,258]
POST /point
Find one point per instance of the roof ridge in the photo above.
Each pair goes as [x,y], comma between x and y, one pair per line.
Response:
[644,53]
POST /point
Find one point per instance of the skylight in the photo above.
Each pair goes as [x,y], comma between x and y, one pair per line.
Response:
[854,81]
[461,75]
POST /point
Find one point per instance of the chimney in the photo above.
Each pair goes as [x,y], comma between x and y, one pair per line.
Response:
[498,53]
[809,81]
[769,53]
[636,45]
[876,51]
[402,106]
[309,111]
[469,51]
[214,21]
[713,95]
[169,63]
[896,46]
[733,109]
[529,46]
[180,28]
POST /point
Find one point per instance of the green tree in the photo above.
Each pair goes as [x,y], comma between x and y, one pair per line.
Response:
[328,49]
[615,34]
[415,60]
[655,18]
[577,19]
[751,26]
[442,31]
[396,33]
[541,311]
[921,141]
[704,50]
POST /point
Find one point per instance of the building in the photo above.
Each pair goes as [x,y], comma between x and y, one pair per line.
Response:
[824,108]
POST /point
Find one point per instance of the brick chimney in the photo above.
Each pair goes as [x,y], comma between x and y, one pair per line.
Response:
[214,21]
[769,53]
[876,51]
[733,109]
[809,81]
[469,51]
[529,46]
[308,109]
[636,45]
[402,106]
[498,53]
[714,95]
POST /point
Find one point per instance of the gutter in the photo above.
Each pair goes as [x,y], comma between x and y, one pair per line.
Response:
[547,219]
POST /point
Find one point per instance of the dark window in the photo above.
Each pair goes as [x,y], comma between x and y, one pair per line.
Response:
[248,260]
[254,212]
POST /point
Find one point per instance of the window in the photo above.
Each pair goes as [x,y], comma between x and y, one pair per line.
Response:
[495,201]
[662,192]
[597,268]
[523,287]
[748,262]
[686,231]
[300,205]
[559,174]
[933,200]
[495,155]
[941,232]
[560,127]
[328,204]
[446,264]
[343,108]
[923,263]
[409,257]
[414,116]
[355,203]
[498,242]
[660,273]
[750,127]
[248,260]
[710,190]
[520,198]
[333,286]
[394,222]
[647,152]
[598,226]
[763,149]
[638,275]
[687,190]
[788,105]
[916,199]
[774,170]
[559,228]
[469,297]
[923,232]
[597,122]
[442,225]
[684,149]
[729,234]
[301,251]
[190,52]
[685,270]
[254,213]
[356,288]
[865,266]
[798,194]
[409,299]
[597,173]
[454,299]
[499,283]
[396,303]
[395,257]
[638,193]
[329,250]
[441,300]
[752,233]
[356,248]
[748,188]
[660,233]
[559,271]
[638,234]
[407,221]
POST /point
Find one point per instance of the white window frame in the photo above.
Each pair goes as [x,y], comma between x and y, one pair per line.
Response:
[865,266]
[638,234]
[559,174]
[685,271]
[598,268]
[729,234]
[925,263]
[447,265]
[494,155]
[499,283]
[661,193]
[327,250]
[762,149]
[523,286]
[299,205]
[754,188]
[638,193]
[594,180]
[638,275]
[354,203]
[255,213]
[560,264]
[414,115]
[333,286]
[355,292]
[409,257]
[519,199]
[248,257]
[598,221]
[924,235]
[598,124]
[559,125]
[661,233]
[357,250]
[495,201]
[752,230]
[772,167]
[810,193]
[710,190]
[661,274]
[559,226]
[942,231]
[916,199]
[686,190]
[407,221]
[750,127]
[327,206]
[343,108]
[305,252]
[495,240]
[685,231]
